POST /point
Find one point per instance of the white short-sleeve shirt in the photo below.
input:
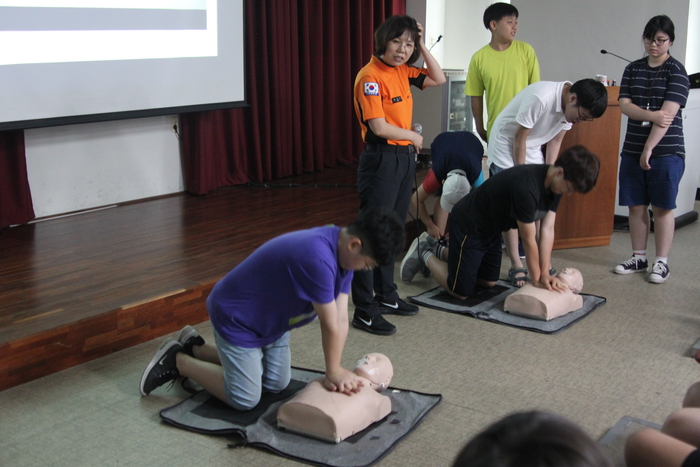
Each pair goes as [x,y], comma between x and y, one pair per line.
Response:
[537,107]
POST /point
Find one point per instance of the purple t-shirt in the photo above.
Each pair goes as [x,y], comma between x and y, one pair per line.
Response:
[272,291]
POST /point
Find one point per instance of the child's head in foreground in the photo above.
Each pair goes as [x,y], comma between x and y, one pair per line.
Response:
[532,439]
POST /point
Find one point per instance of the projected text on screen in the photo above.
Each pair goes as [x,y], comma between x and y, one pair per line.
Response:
[56,31]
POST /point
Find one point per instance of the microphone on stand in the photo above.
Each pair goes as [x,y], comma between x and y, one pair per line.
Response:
[438,40]
[615,55]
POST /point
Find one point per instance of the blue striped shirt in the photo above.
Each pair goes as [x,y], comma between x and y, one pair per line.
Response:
[648,88]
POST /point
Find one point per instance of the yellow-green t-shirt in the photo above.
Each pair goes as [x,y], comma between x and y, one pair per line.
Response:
[501,75]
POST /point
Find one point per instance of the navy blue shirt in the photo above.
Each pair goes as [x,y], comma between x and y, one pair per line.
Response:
[648,88]
[456,150]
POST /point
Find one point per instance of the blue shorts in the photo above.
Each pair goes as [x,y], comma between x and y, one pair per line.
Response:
[657,186]
[470,259]
[250,372]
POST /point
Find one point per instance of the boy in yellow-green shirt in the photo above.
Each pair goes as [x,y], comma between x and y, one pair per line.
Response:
[501,69]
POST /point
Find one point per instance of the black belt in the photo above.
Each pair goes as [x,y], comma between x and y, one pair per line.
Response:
[390,148]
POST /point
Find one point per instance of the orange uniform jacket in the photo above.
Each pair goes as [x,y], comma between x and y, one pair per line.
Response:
[383,91]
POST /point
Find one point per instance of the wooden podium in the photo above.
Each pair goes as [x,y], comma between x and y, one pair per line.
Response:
[587,220]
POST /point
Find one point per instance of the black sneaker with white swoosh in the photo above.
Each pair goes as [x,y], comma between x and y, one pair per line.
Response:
[162,368]
[398,307]
[372,324]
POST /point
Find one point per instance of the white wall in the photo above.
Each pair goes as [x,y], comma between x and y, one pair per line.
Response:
[692,53]
[569,34]
[432,16]
[464,31]
[79,167]
[434,28]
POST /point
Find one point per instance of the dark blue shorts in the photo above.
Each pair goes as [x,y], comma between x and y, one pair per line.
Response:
[657,186]
[472,258]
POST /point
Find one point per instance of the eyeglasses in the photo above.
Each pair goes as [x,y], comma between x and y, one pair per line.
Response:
[582,118]
[657,42]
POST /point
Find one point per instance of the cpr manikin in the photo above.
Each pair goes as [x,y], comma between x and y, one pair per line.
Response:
[333,416]
[534,302]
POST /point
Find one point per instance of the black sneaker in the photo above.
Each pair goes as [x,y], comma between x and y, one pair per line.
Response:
[188,338]
[162,367]
[632,265]
[659,273]
[375,324]
[399,307]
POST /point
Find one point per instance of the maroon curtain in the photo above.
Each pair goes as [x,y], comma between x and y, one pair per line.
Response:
[15,198]
[301,58]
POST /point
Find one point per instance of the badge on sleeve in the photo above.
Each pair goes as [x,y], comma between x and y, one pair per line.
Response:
[371,89]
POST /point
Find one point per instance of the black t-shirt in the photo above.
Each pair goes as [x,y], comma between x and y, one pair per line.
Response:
[516,194]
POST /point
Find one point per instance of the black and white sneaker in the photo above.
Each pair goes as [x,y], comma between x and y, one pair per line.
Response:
[188,338]
[659,273]
[162,367]
[412,262]
[398,307]
[372,324]
[632,265]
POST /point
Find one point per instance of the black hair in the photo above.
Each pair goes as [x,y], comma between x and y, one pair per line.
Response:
[581,168]
[498,11]
[590,95]
[659,23]
[393,27]
[382,234]
[532,439]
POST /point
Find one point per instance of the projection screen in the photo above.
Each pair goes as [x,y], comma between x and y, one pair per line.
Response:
[75,61]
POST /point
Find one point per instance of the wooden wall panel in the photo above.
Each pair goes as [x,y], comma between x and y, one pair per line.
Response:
[587,220]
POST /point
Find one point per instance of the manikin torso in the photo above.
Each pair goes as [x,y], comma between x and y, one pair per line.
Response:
[333,416]
[537,303]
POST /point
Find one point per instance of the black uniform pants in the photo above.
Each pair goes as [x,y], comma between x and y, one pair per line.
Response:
[384,178]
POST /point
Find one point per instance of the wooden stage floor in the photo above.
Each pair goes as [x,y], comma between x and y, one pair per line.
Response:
[77,288]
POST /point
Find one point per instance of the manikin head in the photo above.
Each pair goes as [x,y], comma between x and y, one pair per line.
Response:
[377,369]
[572,278]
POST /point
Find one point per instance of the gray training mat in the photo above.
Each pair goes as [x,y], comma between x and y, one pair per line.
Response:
[203,413]
[487,304]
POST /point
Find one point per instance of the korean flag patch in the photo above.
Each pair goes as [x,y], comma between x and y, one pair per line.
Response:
[371,89]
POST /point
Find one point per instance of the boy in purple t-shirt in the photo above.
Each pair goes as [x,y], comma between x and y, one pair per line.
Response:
[284,284]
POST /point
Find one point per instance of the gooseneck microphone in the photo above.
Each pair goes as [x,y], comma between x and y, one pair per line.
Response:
[615,55]
[438,40]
